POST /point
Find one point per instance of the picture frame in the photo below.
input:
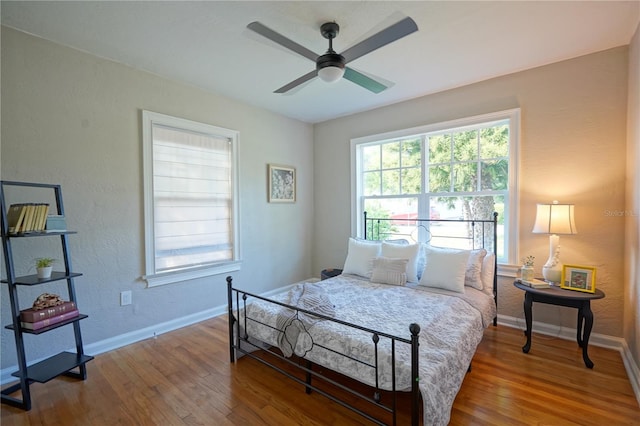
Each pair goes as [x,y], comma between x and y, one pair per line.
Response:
[579,278]
[282,184]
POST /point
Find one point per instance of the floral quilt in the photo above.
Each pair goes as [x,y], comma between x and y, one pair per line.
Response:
[451,326]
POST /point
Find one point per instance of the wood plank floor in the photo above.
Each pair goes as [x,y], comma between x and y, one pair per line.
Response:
[185,378]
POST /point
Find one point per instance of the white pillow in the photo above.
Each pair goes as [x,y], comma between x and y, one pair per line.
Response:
[389,271]
[409,252]
[360,257]
[473,274]
[444,268]
[488,267]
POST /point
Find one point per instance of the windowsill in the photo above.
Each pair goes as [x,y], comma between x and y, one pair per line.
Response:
[510,271]
[190,274]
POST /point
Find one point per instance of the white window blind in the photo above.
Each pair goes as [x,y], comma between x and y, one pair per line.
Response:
[190,203]
[192,198]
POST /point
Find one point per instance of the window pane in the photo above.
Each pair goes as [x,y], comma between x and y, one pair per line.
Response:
[465,146]
[494,141]
[399,209]
[391,155]
[464,236]
[411,181]
[390,182]
[465,177]
[439,149]
[495,175]
[411,152]
[440,178]
[371,157]
[371,184]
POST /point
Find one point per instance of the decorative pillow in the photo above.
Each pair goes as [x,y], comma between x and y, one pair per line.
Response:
[444,268]
[409,252]
[473,274]
[389,271]
[360,257]
[488,268]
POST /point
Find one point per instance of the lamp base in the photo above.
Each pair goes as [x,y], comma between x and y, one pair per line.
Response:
[552,270]
[553,274]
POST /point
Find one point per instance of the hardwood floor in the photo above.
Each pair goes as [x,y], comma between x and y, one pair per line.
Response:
[185,378]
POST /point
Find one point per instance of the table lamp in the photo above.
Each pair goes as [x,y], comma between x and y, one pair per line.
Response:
[554,219]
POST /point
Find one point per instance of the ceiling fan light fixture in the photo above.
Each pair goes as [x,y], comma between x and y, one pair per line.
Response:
[331,74]
[330,67]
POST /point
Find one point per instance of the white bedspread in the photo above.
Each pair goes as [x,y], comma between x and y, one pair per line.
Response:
[451,325]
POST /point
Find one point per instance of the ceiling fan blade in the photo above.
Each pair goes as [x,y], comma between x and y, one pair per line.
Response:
[364,81]
[297,82]
[282,40]
[384,37]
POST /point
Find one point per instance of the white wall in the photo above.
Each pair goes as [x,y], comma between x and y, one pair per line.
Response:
[573,136]
[632,210]
[74,119]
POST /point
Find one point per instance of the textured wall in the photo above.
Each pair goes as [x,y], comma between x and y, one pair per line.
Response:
[74,119]
[632,211]
[573,118]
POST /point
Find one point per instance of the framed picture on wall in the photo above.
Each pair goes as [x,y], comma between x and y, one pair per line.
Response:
[579,278]
[282,184]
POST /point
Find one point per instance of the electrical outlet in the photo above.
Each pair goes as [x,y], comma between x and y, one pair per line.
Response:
[125,298]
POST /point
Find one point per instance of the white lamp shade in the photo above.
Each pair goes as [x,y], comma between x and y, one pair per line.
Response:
[330,74]
[555,219]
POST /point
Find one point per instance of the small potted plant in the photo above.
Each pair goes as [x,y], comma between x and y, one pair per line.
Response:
[526,271]
[44,266]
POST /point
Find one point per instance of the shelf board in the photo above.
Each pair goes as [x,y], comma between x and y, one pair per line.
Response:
[51,327]
[34,280]
[40,234]
[52,367]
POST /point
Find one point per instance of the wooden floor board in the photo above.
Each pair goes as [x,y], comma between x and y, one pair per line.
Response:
[184,378]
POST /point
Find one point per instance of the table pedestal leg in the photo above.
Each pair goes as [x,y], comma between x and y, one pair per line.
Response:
[585,316]
[580,327]
[528,302]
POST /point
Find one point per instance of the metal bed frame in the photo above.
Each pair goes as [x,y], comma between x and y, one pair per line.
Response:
[241,343]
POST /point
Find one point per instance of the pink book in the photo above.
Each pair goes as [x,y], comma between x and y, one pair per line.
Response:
[50,321]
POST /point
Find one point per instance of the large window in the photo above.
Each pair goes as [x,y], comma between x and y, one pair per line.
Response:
[459,169]
[190,199]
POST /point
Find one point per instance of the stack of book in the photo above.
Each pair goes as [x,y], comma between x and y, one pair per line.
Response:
[35,319]
[534,283]
[27,217]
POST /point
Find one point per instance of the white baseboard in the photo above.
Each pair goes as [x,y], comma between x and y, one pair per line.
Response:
[610,342]
[125,339]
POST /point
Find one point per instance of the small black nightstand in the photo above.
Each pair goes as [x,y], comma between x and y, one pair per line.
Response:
[330,273]
[560,297]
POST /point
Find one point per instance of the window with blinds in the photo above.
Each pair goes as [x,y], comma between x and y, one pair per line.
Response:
[190,203]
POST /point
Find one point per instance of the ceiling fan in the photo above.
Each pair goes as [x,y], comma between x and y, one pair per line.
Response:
[331,66]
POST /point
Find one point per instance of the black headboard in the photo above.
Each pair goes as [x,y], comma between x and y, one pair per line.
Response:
[459,233]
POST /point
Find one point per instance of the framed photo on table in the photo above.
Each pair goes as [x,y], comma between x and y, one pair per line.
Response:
[282,184]
[579,278]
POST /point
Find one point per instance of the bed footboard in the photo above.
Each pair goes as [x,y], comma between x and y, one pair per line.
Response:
[301,370]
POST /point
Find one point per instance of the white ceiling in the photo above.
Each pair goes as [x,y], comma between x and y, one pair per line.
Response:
[206,43]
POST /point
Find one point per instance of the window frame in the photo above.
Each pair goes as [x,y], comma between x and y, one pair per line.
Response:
[511,222]
[153,278]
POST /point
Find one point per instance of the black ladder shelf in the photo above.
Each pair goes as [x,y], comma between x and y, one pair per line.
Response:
[64,363]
